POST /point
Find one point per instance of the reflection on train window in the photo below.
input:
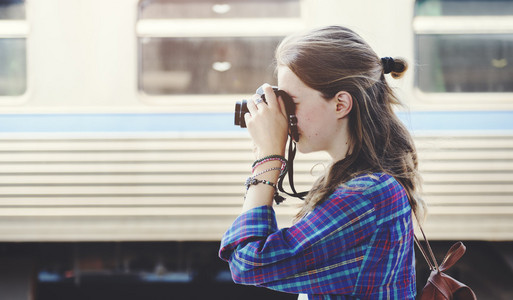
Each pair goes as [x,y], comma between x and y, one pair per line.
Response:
[463,7]
[465,62]
[218,65]
[182,9]
[12,67]
[12,9]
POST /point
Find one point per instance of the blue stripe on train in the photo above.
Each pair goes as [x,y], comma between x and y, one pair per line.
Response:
[223,122]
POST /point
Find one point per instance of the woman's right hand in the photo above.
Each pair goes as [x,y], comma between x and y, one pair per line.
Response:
[267,123]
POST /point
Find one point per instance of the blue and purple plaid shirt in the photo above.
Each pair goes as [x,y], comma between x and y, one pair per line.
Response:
[358,244]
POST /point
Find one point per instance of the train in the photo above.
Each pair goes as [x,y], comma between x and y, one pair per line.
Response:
[116,117]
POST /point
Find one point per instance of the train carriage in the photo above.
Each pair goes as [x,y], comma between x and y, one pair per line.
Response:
[116,117]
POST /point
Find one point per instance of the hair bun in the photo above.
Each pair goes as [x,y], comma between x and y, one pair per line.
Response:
[396,67]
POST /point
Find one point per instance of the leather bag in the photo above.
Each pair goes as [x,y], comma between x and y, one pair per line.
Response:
[439,285]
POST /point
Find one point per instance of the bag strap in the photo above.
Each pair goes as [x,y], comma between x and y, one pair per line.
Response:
[431,259]
[433,265]
[453,255]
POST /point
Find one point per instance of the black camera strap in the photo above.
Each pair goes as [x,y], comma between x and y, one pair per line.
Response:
[290,171]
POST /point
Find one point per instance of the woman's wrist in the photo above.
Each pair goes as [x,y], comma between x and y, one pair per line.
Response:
[261,186]
[262,154]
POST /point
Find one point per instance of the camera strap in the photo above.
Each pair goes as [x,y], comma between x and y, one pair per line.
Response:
[290,170]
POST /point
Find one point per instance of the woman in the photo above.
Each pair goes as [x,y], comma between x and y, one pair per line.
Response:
[353,237]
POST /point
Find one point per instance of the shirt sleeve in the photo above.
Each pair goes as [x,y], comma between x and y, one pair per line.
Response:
[319,254]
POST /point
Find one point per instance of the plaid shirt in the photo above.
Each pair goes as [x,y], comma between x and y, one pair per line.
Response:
[358,244]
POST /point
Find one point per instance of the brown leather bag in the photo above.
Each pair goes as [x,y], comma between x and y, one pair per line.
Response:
[441,286]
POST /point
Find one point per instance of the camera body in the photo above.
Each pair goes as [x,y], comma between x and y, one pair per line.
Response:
[241,108]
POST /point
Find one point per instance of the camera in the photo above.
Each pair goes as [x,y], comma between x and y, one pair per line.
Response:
[241,108]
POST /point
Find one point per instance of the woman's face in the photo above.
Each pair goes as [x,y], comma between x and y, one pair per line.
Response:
[318,124]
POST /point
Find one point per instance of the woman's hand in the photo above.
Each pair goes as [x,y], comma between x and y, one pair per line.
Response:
[268,126]
[267,123]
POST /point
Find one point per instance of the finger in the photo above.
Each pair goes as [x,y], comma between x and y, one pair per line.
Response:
[279,103]
[251,106]
[282,106]
[270,96]
[247,118]
[258,101]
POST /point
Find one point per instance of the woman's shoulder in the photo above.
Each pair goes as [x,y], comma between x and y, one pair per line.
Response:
[365,185]
[368,183]
[382,190]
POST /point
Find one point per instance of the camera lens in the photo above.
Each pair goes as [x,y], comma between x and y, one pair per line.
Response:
[237,113]
[241,108]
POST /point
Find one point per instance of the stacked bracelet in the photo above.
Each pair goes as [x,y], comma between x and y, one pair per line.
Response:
[269,158]
[283,170]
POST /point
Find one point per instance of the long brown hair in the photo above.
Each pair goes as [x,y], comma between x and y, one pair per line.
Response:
[333,59]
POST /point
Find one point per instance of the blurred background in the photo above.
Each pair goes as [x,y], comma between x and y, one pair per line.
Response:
[120,166]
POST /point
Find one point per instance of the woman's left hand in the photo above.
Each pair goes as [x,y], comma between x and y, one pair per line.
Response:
[267,124]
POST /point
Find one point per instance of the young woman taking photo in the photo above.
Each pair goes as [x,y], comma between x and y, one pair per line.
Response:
[353,237]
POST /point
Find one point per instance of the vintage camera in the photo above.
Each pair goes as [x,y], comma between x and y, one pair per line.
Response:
[241,107]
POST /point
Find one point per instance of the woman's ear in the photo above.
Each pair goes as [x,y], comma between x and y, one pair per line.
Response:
[344,102]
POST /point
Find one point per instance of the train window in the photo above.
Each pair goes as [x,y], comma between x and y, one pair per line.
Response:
[463,7]
[162,9]
[465,63]
[222,65]
[464,46]
[12,9]
[13,31]
[206,47]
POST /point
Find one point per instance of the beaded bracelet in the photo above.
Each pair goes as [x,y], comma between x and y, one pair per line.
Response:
[253,181]
[282,169]
[269,158]
[268,170]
